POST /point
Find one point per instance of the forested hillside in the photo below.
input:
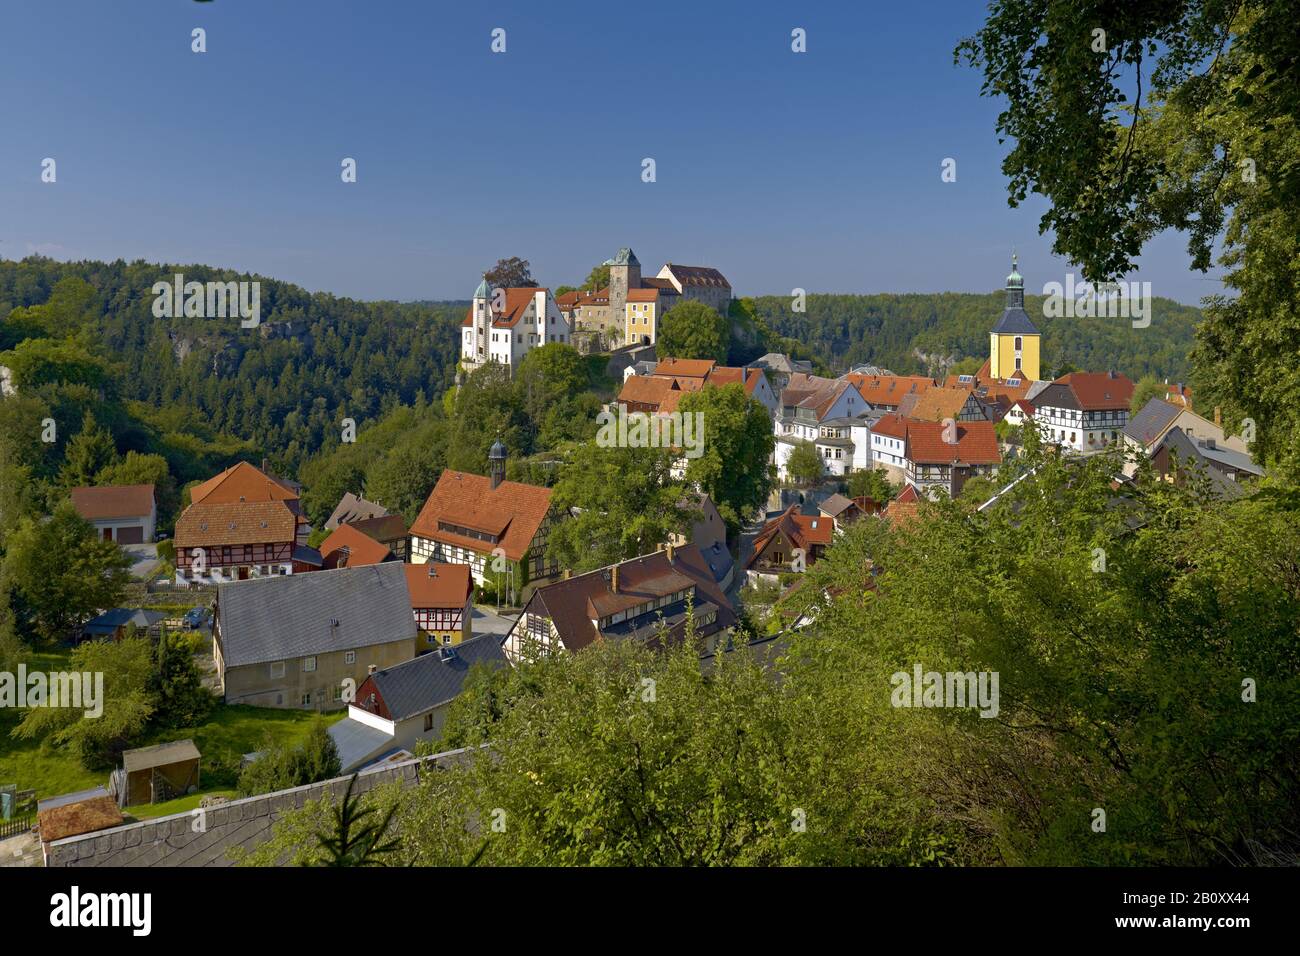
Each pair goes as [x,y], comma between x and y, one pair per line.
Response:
[279,389]
[889,330]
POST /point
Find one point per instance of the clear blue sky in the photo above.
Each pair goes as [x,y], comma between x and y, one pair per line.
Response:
[818,170]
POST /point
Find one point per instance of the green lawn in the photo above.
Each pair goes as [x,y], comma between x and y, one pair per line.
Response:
[227,734]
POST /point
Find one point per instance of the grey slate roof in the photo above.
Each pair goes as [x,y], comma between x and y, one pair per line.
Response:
[1151,421]
[1214,462]
[1015,321]
[357,742]
[282,617]
[719,560]
[353,508]
[159,755]
[419,685]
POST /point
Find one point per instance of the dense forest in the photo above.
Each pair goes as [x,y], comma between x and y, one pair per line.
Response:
[277,390]
[895,331]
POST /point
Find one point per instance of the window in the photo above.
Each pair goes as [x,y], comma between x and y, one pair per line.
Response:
[349,657]
[1018,344]
[277,669]
[1017,363]
[308,664]
[306,700]
[338,693]
[778,557]
[428,722]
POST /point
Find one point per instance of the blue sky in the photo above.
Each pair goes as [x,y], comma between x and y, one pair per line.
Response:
[818,170]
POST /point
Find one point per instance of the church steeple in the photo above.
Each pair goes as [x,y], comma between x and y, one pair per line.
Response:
[1015,286]
[1014,341]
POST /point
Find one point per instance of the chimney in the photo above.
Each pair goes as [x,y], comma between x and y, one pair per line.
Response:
[568,573]
[371,669]
[433,570]
[950,431]
[613,579]
[670,553]
[266,466]
[1209,443]
[1218,417]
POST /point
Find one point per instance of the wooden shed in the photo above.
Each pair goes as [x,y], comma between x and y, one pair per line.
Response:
[159,773]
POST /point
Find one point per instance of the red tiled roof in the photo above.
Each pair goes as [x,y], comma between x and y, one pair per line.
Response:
[688,368]
[937,403]
[517,302]
[902,509]
[645,389]
[977,444]
[512,511]
[802,531]
[207,525]
[241,482]
[891,426]
[570,603]
[643,295]
[113,501]
[1099,391]
[888,389]
[450,587]
[361,549]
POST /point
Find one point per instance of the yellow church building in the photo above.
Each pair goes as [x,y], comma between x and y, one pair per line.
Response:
[1014,341]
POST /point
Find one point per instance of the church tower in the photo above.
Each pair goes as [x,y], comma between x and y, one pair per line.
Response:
[1014,341]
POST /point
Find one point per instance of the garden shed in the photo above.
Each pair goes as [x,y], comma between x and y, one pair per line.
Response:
[158,773]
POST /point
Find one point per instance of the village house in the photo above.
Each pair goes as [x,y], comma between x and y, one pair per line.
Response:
[442,600]
[126,514]
[470,519]
[708,532]
[940,403]
[388,530]
[305,640]
[399,707]
[348,547]
[942,456]
[351,509]
[808,403]
[243,523]
[1179,457]
[506,328]
[640,599]
[662,390]
[1084,412]
[1146,430]
[886,392]
[777,369]
[789,543]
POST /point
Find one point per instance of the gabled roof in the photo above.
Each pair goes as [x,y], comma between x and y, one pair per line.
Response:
[697,276]
[1151,422]
[836,505]
[208,525]
[685,368]
[417,686]
[977,444]
[1088,392]
[730,375]
[284,617]
[645,389]
[436,585]
[347,547]
[113,501]
[571,604]
[644,295]
[159,755]
[1209,451]
[513,512]
[888,389]
[802,531]
[242,482]
[517,302]
[386,528]
[903,508]
[352,508]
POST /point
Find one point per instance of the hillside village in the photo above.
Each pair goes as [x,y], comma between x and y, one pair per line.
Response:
[382,624]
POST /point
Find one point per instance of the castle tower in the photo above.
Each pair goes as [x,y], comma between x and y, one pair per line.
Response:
[1014,341]
[481,319]
[624,274]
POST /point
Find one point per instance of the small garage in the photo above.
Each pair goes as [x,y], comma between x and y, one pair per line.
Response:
[157,774]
